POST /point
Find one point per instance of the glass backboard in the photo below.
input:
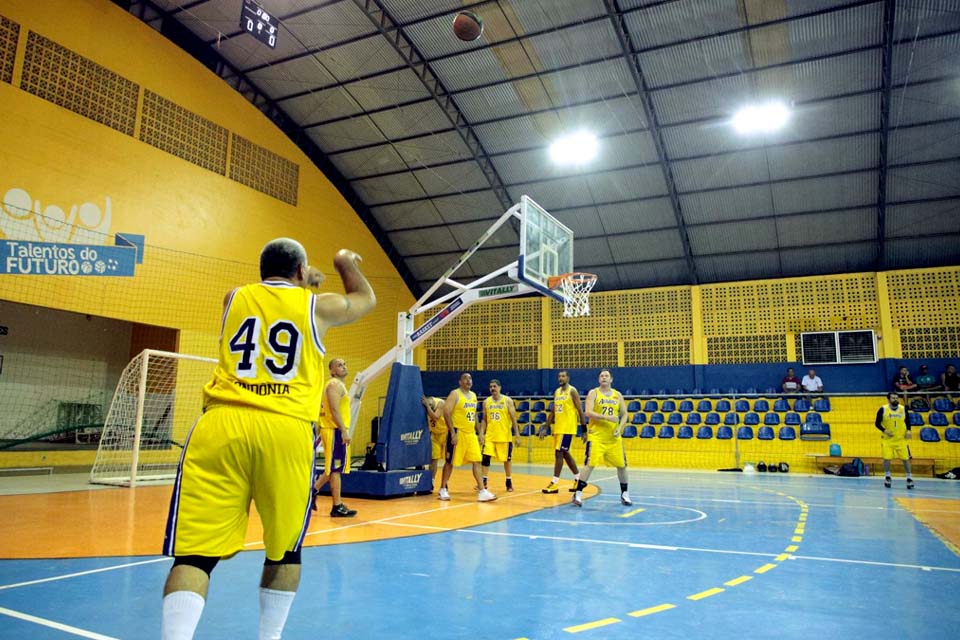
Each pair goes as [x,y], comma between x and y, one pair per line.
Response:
[546,247]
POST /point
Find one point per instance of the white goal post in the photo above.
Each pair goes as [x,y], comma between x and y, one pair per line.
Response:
[157,401]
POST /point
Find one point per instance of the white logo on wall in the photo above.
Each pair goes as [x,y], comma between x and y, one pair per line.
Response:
[27,219]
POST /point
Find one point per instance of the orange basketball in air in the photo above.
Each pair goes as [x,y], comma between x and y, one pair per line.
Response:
[467,26]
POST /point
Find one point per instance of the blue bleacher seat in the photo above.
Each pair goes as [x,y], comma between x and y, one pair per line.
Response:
[732,391]
[751,391]
[693,418]
[815,431]
[704,406]
[648,432]
[675,418]
[662,392]
[724,433]
[656,418]
[745,433]
[538,405]
[802,405]
[544,430]
[792,418]
[628,392]
[943,405]
[550,406]
[952,434]
[723,406]
[679,391]
[668,406]
[788,433]
[772,419]
[751,418]
[938,419]
[644,392]
[956,418]
[639,418]
[523,417]
[629,431]
[761,406]
[714,391]
[650,406]
[731,420]
[704,433]
[666,431]
[523,405]
[771,391]
[528,430]
[685,432]
[929,434]
[822,405]
[915,419]
[696,391]
[686,406]
[765,433]
[813,418]
[712,418]
[741,406]
[781,405]
[539,418]
[633,406]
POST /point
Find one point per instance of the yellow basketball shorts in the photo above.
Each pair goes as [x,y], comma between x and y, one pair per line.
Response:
[334,452]
[606,451]
[438,444]
[894,449]
[499,451]
[467,449]
[234,455]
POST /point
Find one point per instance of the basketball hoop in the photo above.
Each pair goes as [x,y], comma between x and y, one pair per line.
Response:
[575,287]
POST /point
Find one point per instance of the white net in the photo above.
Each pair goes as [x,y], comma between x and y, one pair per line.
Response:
[576,288]
[156,403]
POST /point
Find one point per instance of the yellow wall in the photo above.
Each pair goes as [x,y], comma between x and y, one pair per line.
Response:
[203,230]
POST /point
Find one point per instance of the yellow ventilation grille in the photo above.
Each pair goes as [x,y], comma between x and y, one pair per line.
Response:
[168,126]
[264,170]
[931,342]
[451,359]
[511,358]
[928,298]
[628,315]
[746,349]
[9,33]
[67,79]
[600,355]
[656,353]
[501,323]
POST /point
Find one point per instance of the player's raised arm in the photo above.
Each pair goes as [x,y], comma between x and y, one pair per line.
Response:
[334,309]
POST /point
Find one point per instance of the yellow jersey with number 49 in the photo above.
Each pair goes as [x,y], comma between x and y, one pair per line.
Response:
[271,357]
[609,407]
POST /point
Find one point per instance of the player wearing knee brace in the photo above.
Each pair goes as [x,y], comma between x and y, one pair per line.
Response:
[499,432]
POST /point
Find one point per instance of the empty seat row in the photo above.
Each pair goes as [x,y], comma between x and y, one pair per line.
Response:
[782,405]
[929,434]
[705,433]
[937,419]
[730,419]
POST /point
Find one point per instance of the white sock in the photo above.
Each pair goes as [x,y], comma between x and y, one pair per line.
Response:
[579,494]
[556,479]
[274,607]
[576,477]
[181,613]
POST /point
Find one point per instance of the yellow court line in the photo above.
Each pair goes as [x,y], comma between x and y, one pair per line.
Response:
[799,531]
[765,568]
[736,581]
[651,610]
[705,594]
[796,539]
[791,548]
[631,513]
[782,557]
[592,625]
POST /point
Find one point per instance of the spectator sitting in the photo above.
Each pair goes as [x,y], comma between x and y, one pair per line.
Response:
[926,381]
[811,382]
[903,382]
[950,379]
[791,383]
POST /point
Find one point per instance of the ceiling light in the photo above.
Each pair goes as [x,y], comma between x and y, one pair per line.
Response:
[762,118]
[576,148]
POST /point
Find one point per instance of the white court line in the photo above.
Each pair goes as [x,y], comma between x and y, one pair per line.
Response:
[897,565]
[83,573]
[894,507]
[54,625]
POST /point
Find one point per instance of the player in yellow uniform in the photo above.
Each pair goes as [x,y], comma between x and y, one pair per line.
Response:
[463,445]
[254,440]
[438,433]
[608,414]
[892,423]
[566,415]
[334,426]
[499,432]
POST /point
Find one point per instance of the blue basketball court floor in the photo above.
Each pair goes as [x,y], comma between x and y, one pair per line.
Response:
[698,555]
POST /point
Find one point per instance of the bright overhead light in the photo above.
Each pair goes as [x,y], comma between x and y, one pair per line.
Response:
[761,118]
[576,148]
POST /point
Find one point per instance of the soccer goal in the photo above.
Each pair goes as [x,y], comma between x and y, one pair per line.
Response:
[157,401]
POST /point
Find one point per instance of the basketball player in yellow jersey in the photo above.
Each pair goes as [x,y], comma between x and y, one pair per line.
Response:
[254,440]
[607,413]
[463,445]
[499,432]
[566,415]
[438,432]
[334,426]
[892,423]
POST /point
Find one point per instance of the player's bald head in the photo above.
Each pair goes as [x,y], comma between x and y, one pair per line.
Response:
[281,257]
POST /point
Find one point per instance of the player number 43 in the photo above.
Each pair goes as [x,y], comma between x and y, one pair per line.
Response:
[282,355]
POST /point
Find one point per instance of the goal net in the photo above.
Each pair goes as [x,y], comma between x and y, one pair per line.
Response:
[158,398]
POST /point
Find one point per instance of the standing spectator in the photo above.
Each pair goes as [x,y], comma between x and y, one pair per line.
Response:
[950,379]
[791,383]
[926,381]
[811,382]
[903,382]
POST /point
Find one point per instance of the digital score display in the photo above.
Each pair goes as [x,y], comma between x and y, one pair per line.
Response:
[258,23]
